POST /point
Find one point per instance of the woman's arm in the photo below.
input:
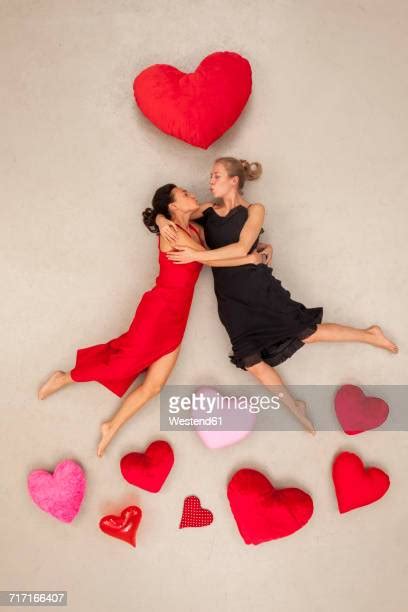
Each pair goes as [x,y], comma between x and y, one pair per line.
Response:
[253,258]
[247,237]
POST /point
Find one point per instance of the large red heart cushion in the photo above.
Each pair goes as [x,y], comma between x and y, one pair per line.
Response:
[357,412]
[356,485]
[196,107]
[150,469]
[264,513]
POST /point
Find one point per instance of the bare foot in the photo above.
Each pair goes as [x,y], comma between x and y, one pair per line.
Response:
[381,340]
[107,432]
[301,415]
[55,382]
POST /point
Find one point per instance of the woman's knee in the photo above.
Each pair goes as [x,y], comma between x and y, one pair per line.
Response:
[257,369]
[152,387]
[314,337]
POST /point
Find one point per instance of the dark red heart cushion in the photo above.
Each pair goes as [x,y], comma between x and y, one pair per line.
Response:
[264,513]
[124,526]
[150,469]
[356,485]
[194,515]
[357,412]
[196,107]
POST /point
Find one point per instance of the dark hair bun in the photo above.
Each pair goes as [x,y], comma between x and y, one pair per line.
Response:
[163,196]
[149,216]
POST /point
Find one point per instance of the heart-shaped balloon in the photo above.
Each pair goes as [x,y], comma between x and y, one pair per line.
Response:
[195,107]
[263,513]
[194,515]
[242,420]
[59,493]
[150,469]
[357,412]
[124,526]
[356,485]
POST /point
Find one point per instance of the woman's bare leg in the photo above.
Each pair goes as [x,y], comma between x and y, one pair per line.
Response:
[156,377]
[333,332]
[269,377]
[56,381]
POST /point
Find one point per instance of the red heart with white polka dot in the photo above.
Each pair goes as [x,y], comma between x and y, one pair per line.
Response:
[194,515]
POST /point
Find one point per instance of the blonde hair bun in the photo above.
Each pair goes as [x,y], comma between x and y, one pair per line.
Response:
[252,170]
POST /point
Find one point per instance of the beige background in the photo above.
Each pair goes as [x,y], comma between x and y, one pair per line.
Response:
[327,119]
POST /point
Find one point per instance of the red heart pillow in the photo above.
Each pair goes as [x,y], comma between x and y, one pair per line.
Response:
[356,485]
[264,513]
[196,107]
[150,469]
[356,412]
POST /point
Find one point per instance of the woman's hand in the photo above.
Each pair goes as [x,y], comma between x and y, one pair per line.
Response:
[258,257]
[267,250]
[168,229]
[184,254]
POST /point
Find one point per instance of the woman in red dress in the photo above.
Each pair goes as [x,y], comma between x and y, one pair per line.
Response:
[152,342]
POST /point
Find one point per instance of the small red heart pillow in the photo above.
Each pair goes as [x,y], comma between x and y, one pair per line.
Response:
[356,485]
[194,515]
[264,513]
[357,412]
[150,469]
[196,107]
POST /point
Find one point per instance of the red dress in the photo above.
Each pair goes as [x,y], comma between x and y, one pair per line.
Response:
[157,328]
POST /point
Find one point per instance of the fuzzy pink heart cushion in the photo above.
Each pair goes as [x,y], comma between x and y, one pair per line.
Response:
[59,493]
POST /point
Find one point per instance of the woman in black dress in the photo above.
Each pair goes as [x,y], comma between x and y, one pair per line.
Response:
[265,325]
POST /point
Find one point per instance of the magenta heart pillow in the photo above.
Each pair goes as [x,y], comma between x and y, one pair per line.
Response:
[357,412]
[196,107]
[59,493]
[240,421]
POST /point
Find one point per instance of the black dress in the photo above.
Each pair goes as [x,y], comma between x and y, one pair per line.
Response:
[262,321]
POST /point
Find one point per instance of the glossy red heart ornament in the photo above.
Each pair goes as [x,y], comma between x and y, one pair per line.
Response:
[124,526]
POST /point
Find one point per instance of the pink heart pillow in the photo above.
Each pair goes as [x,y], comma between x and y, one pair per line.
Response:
[243,422]
[59,493]
[196,107]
